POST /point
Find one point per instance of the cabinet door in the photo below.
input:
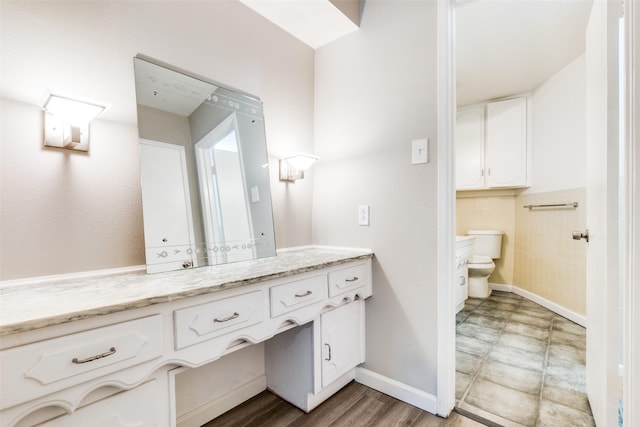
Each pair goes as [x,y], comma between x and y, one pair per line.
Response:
[506,148]
[341,341]
[470,149]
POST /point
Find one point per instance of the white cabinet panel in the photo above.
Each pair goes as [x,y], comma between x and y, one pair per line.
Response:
[492,148]
[470,149]
[293,295]
[206,321]
[50,365]
[306,365]
[347,279]
[506,152]
[133,408]
[341,333]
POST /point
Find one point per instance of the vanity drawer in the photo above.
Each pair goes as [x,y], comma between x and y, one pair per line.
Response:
[46,366]
[206,321]
[347,279]
[290,296]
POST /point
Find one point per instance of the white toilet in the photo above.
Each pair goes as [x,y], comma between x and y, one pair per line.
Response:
[486,248]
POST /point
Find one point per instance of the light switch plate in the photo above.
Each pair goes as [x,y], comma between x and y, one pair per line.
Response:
[363,215]
[255,194]
[420,151]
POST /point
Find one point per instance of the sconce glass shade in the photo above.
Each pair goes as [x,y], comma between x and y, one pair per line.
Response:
[293,167]
[67,122]
[301,160]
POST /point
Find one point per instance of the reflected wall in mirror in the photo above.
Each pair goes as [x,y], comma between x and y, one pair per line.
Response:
[206,198]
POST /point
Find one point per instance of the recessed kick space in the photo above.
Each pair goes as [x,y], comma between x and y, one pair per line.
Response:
[520,364]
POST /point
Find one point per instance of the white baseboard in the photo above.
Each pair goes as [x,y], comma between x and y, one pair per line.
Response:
[205,413]
[556,308]
[501,287]
[401,391]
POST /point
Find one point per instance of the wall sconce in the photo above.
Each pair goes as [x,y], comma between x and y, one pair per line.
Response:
[293,167]
[66,122]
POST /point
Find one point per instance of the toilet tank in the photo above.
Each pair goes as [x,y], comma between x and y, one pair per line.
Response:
[487,243]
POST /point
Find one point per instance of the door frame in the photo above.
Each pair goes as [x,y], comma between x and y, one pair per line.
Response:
[446,95]
[447,213]
[631,293]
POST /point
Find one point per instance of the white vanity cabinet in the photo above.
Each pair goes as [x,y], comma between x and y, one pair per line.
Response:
[492,145]
[464,252]
[111,365]
[306,365]
[342,339]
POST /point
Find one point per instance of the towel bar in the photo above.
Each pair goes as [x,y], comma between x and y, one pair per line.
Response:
[556,205]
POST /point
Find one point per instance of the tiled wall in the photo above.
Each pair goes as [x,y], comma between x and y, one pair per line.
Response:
[538,253]
[491,213]
[548,262]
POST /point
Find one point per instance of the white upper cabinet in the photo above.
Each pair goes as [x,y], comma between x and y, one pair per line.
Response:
[492,149]
[506,148]
[470,149]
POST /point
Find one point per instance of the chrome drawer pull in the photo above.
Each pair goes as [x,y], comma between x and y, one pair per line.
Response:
[226,319]
[328,359]
[306,294]
[111,351]
[353,279]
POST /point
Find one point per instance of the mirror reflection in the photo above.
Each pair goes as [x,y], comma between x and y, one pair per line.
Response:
[204,170]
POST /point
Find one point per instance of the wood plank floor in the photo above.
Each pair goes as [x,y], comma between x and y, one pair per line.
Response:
[354,405]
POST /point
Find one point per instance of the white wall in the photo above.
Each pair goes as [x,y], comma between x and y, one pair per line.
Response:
[375,92]
[68,212]
[558,136]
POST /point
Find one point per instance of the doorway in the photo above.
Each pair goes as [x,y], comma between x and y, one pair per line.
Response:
[625,262]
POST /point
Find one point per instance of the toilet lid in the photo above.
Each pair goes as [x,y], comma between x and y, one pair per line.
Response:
[480,259]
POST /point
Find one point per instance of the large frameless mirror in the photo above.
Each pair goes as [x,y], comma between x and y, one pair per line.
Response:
[204,170]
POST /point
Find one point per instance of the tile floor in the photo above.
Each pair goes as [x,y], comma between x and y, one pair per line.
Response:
[519,364]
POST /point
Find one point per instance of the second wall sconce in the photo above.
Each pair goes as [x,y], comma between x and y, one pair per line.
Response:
[66,121]
[293,167]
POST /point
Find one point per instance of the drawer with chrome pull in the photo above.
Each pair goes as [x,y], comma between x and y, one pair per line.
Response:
[347,279]
[293,295]
[46,366]
[206,321]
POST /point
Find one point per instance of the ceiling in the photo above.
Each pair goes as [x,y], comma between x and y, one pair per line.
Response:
[508,47]
[314,22]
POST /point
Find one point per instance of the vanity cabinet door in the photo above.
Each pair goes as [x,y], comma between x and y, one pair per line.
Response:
[470,149]
[506,152]
[342,336]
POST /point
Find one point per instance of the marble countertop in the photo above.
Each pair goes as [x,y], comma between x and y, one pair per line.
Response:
[28,307]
